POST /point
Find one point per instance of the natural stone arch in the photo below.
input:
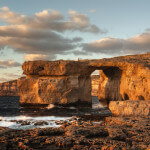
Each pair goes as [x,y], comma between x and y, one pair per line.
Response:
[68,82]
[109,85]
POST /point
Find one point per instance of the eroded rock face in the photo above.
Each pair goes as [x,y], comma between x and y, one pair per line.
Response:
[67,82]
[9,88]
[60,90]
[131,83]
[57,68]
[124,78]
[109,85]
[95,79]
[130,108]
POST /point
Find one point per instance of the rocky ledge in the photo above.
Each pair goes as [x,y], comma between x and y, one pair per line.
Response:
[130,108]
[112,133]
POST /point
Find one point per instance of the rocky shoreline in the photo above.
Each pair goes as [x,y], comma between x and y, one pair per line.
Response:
[110,133]
[123,86]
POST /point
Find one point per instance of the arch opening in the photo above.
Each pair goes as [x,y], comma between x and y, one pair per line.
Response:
[108,84]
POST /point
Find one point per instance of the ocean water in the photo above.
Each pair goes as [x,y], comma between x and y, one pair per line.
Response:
[26,122]
[15,117]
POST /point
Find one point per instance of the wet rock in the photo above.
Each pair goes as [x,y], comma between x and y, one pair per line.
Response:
[115,133]
[23,122]
[40,123]
[51,131]
[88,132]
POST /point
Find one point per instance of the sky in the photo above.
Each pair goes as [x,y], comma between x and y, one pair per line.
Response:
[68,29]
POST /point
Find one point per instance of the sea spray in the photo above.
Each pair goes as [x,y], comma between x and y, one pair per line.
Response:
[27,122]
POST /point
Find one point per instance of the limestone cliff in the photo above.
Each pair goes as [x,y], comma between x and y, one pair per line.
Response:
[95,79]
[57,90]
[68,82]
[124,78]
[130,108]
[9,88]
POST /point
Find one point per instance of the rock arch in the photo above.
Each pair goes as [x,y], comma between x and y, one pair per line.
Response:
[69,83]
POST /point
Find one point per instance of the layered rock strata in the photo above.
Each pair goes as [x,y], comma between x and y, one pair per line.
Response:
[130,108]
[68,82]
[58,82]
[9,88]
[124,78]
[95,79]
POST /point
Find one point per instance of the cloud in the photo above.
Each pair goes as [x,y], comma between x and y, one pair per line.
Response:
[3,79]
[81,22]
[41,33]
[8,63]
[11,75]
[116,46]
[92,10]
[31,57]
[139,42]
[28,40]
[50,19]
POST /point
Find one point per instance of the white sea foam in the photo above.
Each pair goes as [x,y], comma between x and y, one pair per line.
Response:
[15,121]
[50,106]
[7,124]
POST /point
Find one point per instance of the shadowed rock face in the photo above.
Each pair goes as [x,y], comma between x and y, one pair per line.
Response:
[128,79]
[68,82]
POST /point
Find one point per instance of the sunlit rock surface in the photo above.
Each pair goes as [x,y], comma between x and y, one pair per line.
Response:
[9,88]
[124,78]
[130,108]
[95,79]
[57,68]
[59,90]
[67,82]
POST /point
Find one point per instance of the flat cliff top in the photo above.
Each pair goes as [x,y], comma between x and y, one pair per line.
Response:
[83,67]
[56,68]
[142,60]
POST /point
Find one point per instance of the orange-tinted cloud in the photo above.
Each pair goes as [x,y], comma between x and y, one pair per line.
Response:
[9,63]
[31,57]
[41,33]
[50,19]
[133,45]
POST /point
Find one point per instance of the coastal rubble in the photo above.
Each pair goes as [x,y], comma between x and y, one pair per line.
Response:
[113,133]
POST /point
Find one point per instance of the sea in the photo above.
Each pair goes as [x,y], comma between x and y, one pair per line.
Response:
[13,116]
